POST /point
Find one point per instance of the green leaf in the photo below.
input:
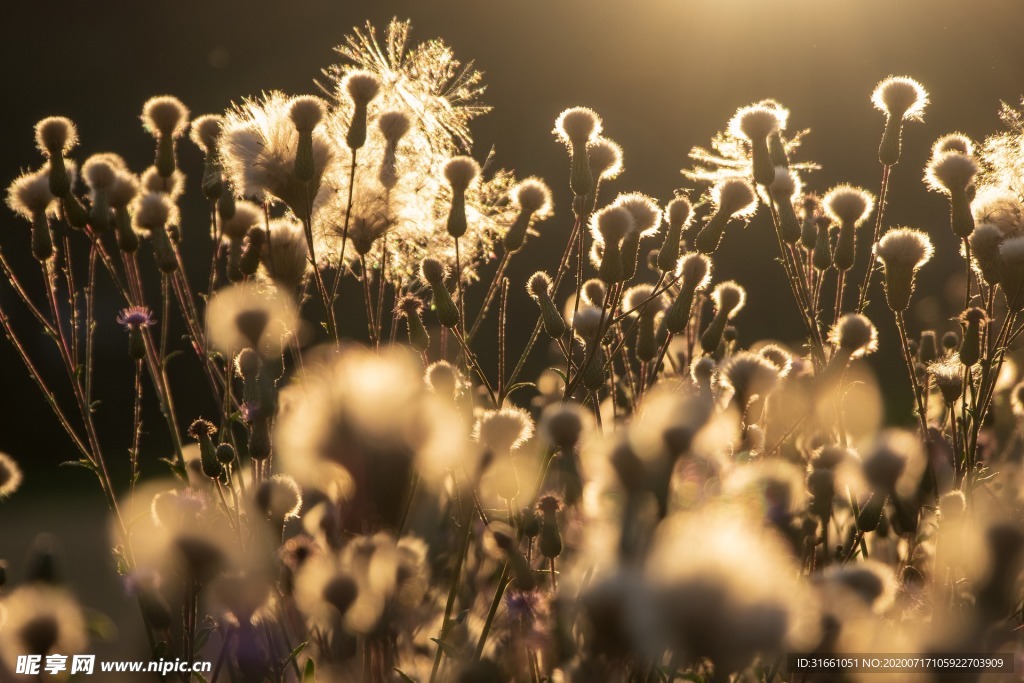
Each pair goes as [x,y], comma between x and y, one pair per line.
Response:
[294,654]
[519,385]
[79,463]
[309,672]
[560,374]
[448,649]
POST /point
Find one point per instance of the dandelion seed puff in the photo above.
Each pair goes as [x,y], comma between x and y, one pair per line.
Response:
[41,620]
[29,194]
[205,132]
[250,315]
[1000,208]
[306,112]
[694,270]
[900,97]
[729,297]
[532,196]
[748,375]
[165,116]
[848,205]
[246,216]
[505,430]
[645,212]
[611,224]
[605,158]
[10,476]
[950,172]
[460,172]
[734,197]
[578,125]
[361,85]
[953,142]
[855,334]
[56,136]
[393,126]
[758,121]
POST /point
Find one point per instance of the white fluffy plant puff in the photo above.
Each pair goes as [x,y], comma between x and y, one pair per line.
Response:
[901,99]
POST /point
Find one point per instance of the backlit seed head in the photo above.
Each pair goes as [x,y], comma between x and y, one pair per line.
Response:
[539,285]
[855,334]
[779,357]
[694,270]
[56,136]
[153,210]
[503,430]
[645,212]
[165,116]
[205,132]
[729,297]
[734,197]
[361,86]
[433,272]
[787,185]
[124,190]
[393,126]
[757,121]
[954,142]
[578,125]
[443,378]
[588,322]
[748,374]
[562,424]
[950,172]
[460,172]
[610,224]
[10,476]
[678,212]
[605,158]
[593,292]
[848,205]
[29,195]
[904,247]
[306,111]
[279,497]
[900,97]
[532,196]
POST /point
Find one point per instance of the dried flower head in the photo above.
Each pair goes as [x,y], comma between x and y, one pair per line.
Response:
[165,116]
[29,194]
[645,212]
[605,158]
[460,172]
[578,125]
[734,197]
[503,430]
[153,211]
[953,142]
[758,121]
[539,285]
[393,126]
[729,297]
[848,205]
[1001,208]
[950,172]
[100,171]
[610,224]
[694,270]
[56,136]
[678,212]
[306,112]
[532,196]
[205,132]
[902,251]
[855,334]
[361,85]
[900,97]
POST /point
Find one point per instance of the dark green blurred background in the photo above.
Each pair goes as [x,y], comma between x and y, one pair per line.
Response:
[664,74]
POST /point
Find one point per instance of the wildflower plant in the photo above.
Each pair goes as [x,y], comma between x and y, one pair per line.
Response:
[371,498]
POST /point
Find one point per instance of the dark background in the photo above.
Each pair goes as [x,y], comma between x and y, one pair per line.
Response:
[664,74]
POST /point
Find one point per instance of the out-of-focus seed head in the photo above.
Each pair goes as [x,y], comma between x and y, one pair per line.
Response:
[848,205]
[562,424]
[605,158]
[578,125]
[734,197]
[10,476]
[588,322]
[165,116]
[361,86]
[205,132]
[1017,400]
[900,97]
[593,292]
[306,111]
[748,374]
[779,357]
[953,142]
[1000,208]
[443,378]
[279,497]
[56,136]
[950,172]
[460,172]
[247,215]
[503,430]
[855,334]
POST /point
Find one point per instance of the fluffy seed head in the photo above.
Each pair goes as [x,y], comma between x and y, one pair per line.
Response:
[361,86]
[124,190]
[734,196]
[950,172]
[637,295]
[393,126]
[433,272]
[954,142]
[1012,252]
[578,125]
[442,378]
[165,116]
[611,224]
[10,476]
[855,334]
[678,212]
[729,297]
[279,497]
[904,247]
[779,357]
[503,430]
[749,374]
[532,196]
[306,111]
[562,423]
[758,121]
[587,322]
[605,158]
[1000,208]
[152,211]
[29,194]
[56,135]
[645,212]
[694,270]
[205,131]
[539,284]
[786,186]
[460,172]
[100,171]
[985,240]
[901,97]
[848,205]
[247,214]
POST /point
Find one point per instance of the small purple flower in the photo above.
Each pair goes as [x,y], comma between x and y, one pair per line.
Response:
[135,318]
